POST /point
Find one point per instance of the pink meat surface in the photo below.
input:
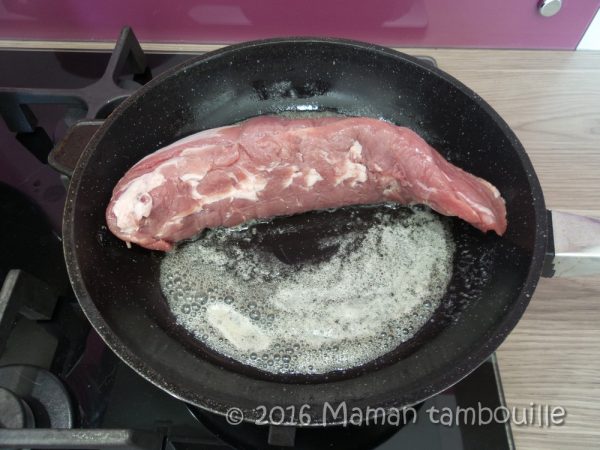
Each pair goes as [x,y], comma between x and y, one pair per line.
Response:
[272,166]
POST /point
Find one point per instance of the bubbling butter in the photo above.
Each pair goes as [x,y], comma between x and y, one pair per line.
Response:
[382,284]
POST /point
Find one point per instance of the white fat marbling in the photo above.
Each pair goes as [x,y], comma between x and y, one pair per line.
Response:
[356,151]
[487,213]
[133,205]
[247,189]
[312,178]
[295,174]
[352,171]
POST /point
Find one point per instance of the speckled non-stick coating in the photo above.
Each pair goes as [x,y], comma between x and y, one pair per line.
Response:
[118,288]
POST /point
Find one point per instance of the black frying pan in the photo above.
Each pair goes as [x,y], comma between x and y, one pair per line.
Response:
[118,287]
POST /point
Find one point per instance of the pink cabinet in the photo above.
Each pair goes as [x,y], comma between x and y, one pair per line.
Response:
[428,23]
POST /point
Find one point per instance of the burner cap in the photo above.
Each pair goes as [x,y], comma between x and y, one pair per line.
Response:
[31,396]
[13,412]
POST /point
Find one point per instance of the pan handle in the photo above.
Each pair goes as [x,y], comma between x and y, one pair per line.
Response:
[65,155]
[573,245]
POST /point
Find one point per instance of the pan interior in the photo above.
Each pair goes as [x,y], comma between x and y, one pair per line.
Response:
[315,293]
[119,288]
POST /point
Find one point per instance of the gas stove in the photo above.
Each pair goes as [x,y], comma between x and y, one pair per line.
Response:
[60,386]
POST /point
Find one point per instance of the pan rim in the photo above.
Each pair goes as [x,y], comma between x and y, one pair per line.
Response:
[440,380]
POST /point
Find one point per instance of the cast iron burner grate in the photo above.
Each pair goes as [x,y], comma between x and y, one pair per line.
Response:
[95,101]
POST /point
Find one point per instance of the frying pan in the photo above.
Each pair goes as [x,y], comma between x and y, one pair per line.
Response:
[493,278]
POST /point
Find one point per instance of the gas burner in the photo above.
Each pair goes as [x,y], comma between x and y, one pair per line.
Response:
[14,412]
[33,397]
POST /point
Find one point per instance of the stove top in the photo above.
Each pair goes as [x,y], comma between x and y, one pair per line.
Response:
[60,386]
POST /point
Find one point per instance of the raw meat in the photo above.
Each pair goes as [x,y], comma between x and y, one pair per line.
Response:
[271,166]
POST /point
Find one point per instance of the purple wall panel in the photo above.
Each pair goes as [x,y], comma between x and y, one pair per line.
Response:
[432,23]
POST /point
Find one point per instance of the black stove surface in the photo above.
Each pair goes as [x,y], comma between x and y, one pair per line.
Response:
[55,372]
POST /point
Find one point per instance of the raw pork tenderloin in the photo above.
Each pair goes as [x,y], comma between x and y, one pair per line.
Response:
[272,166]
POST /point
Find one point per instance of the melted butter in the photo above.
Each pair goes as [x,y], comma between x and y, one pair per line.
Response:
[382,283]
